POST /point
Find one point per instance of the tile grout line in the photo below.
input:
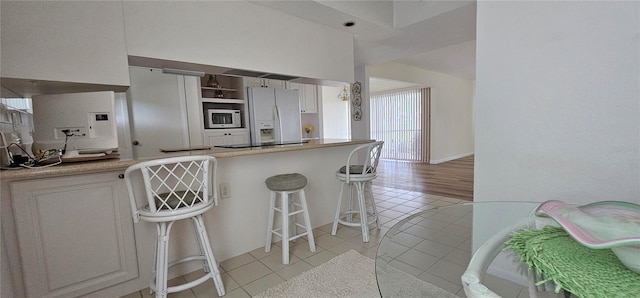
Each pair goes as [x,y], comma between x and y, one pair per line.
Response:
[392,196]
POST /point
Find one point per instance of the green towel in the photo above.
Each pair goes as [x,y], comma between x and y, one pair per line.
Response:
[583,271]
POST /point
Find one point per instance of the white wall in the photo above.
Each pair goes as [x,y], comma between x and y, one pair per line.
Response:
[451,108]
[237,34]
[335,114]
[361,129]
[558,101]
[380,85]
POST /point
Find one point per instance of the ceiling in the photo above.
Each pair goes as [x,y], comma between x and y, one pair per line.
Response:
[434,35]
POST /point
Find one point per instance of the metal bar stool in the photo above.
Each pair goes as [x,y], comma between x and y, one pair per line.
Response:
[359,176]
[286,185]
[175,189]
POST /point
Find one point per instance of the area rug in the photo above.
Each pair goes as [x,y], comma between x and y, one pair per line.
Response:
[350,275]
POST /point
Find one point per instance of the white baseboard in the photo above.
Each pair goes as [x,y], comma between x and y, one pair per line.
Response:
[437,161]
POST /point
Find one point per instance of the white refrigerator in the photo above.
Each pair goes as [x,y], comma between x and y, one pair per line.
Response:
[274,115]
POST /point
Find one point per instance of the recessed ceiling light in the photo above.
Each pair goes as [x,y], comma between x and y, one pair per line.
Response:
[348,24]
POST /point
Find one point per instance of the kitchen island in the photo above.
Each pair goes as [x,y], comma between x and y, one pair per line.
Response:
[67,230]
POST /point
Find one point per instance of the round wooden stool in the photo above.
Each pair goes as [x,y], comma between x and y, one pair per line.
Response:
[286,185]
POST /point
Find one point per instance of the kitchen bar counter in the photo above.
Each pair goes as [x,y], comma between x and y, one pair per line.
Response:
[118,164]
[58,219]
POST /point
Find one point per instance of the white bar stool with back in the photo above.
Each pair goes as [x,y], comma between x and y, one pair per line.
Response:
[174,189]
[287,185]
[359,175]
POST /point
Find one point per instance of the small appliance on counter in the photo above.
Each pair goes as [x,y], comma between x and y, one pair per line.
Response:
[6,152]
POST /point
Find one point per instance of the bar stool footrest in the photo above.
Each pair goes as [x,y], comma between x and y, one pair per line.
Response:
[290,213]
[278,232]
[191,284]
[371,218]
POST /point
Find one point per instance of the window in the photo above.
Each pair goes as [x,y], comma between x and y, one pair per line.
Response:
[23,104]
[400,119]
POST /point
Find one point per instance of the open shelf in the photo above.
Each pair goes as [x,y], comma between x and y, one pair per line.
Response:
[224,100]
[220,87]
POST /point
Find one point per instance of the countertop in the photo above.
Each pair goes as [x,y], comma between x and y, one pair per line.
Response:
[121,164]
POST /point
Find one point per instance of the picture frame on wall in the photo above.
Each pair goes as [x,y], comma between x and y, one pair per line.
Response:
[356,101]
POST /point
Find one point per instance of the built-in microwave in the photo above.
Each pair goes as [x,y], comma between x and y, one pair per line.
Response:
[218,118]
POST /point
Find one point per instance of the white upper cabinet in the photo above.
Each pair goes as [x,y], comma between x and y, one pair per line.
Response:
[274,83]
[308,97]
[158,106]
[260,82]
[252,82]
[73,42]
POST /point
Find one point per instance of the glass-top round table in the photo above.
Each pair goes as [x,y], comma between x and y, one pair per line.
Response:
[426,253]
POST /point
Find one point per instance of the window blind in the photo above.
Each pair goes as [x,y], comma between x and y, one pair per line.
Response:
[400,119]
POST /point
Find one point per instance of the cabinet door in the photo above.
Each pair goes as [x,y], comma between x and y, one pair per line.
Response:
[215,139]
[58,41]
[309,98]
[258,82]
[274,83]
[75,234]
[226,137]
[252,82]
[158,109]
[239,138]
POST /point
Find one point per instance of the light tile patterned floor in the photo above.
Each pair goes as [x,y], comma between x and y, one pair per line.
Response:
[253,272]
[435,246]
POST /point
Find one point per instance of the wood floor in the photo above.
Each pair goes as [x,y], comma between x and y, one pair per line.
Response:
[450,179]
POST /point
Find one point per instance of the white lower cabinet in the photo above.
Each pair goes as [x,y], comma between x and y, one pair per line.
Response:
[226,137]
[75,234]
